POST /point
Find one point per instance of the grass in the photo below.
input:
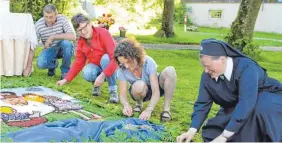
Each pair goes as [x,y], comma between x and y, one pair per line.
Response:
[276,36]
[188,70]
[191,38]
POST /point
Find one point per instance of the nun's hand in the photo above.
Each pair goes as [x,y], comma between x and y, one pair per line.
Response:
[220,138]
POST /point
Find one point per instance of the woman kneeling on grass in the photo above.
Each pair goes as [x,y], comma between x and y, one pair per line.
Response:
[146,84]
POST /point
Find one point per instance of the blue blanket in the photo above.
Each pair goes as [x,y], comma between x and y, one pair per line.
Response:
[79,130]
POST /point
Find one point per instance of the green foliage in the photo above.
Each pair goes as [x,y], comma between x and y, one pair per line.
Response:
[252,50]
[135,15]
[17,6]
[189,21]
[168,137]
[242,28]
[179,13]
[129,5]
[155,21]
[246,46]
[35,7]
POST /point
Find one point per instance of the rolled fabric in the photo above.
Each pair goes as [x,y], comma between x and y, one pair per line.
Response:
[28,123]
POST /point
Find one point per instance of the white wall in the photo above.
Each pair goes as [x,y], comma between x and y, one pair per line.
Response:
[269,18]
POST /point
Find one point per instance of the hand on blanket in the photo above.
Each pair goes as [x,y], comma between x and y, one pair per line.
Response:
[62,82]
[145,115]
[127,110]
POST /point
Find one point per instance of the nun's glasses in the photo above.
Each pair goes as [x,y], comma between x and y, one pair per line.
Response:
[208,67]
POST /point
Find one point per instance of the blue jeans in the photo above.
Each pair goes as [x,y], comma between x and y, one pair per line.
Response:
[91,71]
[48,57]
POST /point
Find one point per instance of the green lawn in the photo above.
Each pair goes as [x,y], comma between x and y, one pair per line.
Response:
[189,37]
[186,63]
[226,30]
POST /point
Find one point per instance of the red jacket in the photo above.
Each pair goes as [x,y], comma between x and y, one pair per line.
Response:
[101,43]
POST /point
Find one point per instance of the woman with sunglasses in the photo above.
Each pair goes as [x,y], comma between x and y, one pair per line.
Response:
[95,46]
[146,84]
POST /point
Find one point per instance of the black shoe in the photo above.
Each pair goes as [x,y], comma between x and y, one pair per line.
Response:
[51,72]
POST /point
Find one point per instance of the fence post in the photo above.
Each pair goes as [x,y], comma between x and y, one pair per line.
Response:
[185,23]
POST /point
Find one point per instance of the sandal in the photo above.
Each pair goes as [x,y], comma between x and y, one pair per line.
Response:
[164,118]
[137,108]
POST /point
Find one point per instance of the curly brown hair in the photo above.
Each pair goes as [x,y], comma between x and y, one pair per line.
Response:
[130,49]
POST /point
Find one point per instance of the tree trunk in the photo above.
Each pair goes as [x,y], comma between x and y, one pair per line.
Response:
[25,7]
[243,26]
[167,22]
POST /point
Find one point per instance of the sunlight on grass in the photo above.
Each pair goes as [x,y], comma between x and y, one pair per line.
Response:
[194,38]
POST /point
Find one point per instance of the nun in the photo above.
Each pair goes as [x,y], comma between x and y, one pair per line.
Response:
[250,101]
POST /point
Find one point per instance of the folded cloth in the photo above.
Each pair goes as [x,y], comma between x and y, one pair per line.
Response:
[77,130]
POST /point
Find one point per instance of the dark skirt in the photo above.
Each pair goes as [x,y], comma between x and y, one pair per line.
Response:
[264,125]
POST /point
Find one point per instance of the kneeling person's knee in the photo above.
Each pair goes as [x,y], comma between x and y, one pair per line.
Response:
[170,72]
[139,88]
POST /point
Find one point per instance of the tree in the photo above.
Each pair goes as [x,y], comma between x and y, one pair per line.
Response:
[167,20]
[180,11]
[35,7]
[143,14]
[243,26]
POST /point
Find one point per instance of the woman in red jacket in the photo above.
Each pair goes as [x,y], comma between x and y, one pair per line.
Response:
[96,47]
